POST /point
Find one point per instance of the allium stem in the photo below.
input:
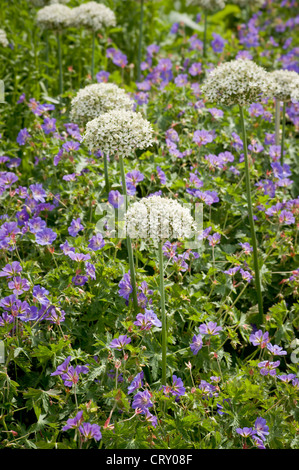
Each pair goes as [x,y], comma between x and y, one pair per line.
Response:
[205,35]
[163,314]
[60,62]
[140,40]
[277,121]
[129,242]
[92,54]
[107,184]
[251,221]
[283,132]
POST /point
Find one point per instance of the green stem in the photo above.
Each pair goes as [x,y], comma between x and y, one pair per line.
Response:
[283,131]
[205,35]
[92,54]
[277,121]
[163,314]
[140,40]
[251,221]
[60,62]
[129,243]
[107,184]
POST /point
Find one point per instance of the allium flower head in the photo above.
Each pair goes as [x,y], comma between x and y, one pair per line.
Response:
[159,219]
[98,98]
[237,82]
[54,17]
[93,15]
[118,131]
[286,85]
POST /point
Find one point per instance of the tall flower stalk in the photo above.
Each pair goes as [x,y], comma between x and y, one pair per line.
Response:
[163,313]
[250,216]
[59,52]
[285,89]
[120,132]
[140,40]
[128,239]
[94,17]
[56,17]
[157,220]
[94,100]
[241,82]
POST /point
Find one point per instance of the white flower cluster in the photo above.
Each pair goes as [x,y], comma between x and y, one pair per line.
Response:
[93,15]
[286,85]
[251,3]
[159,219]
[3,38]
[97,99]
[209,5]
[237,82]
[54,17]
[118,131]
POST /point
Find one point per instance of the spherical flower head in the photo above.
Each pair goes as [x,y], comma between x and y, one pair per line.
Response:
[94,16]
[286,85]
[237,82]
[55,17]
[118,131]
[209,5]
[98,98]
[159,219]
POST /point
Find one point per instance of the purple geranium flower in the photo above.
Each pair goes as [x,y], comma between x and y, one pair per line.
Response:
[19,285]
[268,367]
[125,287]
[38,192]
[120,342]
[196,344]
[136,383]
[11,270]
[142,401]
[260,428]
[96,242]
[90,431]
[75,227]
[115,198]
[23,136]
[210,328]
[45,237]
[75,422]
[202,137]
[259,338]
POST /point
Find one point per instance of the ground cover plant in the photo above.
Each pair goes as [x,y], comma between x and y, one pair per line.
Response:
[149,224]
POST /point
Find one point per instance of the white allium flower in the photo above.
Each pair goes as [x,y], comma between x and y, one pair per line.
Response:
[3,38]
[118,131]
[55,16]
[237,82]
[286,85]
[93,15]
[209,5]
[159,219]
[97,99]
